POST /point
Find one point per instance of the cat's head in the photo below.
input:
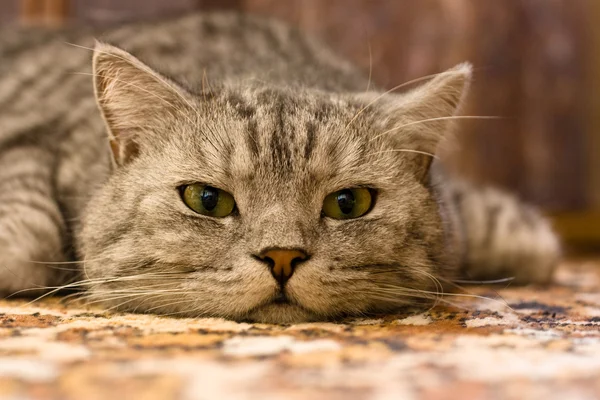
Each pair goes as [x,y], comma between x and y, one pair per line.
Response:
[265,203]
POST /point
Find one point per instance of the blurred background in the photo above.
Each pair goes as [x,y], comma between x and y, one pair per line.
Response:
[537,65]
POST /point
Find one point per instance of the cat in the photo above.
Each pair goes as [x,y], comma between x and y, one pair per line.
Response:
[223,165]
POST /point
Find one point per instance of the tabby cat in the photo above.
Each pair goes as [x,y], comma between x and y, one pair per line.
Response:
[252,178]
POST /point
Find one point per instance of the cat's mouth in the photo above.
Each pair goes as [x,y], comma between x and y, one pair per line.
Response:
[280,309]
[281,298]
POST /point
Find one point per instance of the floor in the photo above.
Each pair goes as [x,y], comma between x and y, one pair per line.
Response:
[520,343]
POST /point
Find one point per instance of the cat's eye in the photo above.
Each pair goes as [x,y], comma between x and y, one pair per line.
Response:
[348,203]
[208,200]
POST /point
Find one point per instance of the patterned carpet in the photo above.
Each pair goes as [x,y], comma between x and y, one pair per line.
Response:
[546,344]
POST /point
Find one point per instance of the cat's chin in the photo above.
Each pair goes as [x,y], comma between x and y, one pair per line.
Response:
[274,313]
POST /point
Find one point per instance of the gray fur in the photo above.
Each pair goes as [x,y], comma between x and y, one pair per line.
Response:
[272,117]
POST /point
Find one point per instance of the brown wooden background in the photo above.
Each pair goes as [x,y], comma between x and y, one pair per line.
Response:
[537,65]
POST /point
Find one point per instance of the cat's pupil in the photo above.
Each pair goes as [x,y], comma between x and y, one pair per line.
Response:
[210,198]
[346,201]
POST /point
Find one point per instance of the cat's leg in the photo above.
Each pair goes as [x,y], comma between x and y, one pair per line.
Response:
[32,228]
[502,236]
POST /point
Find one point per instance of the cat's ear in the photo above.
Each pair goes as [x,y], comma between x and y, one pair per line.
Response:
[135,101]
[419,119]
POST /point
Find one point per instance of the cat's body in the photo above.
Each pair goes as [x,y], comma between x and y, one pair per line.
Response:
[267,115]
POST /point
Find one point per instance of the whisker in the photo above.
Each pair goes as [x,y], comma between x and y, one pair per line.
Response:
[456,285]
[437,283]
[403,151]
[91,282]
[386,298]
[121,304]
[49,262]
[167,305]
[488,282]
[99,298]
[466,295]
[423,78]
[122,296]
[455,117]
[192,312]
[370,65]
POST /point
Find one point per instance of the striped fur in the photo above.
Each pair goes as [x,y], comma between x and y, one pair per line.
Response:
[271,116]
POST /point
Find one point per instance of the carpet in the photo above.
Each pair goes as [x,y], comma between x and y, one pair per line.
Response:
[508,343]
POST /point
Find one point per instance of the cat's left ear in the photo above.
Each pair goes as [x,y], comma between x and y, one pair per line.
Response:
[419,119]
[137,103]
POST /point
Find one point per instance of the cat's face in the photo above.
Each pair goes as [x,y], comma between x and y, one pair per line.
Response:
[274,205]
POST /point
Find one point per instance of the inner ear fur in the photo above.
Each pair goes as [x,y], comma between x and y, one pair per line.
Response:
[133,99]
[420,119]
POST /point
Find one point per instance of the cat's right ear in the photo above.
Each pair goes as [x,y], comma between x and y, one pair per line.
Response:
[136,102]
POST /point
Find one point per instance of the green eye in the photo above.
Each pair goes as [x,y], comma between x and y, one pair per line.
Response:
[347,203]
[208,200]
